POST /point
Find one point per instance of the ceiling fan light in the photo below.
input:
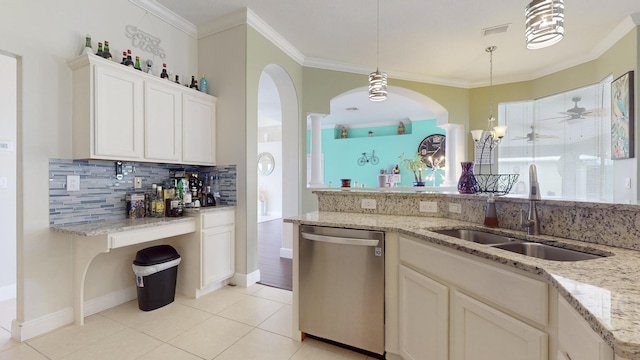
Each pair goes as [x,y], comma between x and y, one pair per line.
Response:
[377,86]
[544,22]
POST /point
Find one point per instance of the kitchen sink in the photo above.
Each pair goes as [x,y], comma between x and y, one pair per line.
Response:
[477,236]
[547,252]
[533,249]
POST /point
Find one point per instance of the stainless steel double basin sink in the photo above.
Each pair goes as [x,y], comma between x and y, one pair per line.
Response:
[528,248]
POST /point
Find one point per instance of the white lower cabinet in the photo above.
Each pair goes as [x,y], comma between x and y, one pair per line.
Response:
[576,340]
[481,332]
[208,255]
[217,254]
[424,320]
[454,307]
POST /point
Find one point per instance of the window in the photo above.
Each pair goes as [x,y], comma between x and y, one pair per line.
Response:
[568,137]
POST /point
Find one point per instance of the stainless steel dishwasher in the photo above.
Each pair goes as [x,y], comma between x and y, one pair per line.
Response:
[341,276]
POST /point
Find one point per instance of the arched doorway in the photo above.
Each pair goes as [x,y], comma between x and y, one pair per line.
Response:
[278,134]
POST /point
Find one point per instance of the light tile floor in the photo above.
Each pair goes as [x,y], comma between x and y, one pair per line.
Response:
[231,323]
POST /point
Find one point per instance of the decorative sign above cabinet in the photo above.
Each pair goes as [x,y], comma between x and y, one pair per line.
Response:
[144,41]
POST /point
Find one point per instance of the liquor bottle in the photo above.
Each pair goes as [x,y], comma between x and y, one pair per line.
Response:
[99,53]
[124,57]
[159,201]
[149,66]
[87,45]
[105,53]
[129,61]
[152,200]
[194,83]
[164,74]
[203,85]
[177,80]
[137,64]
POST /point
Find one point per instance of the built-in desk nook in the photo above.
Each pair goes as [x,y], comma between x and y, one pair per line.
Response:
[92,239]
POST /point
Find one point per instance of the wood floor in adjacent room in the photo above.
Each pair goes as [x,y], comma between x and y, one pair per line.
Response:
[274,270]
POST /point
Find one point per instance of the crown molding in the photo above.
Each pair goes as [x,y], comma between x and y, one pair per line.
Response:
[268,32]
[224,23]
[168,16]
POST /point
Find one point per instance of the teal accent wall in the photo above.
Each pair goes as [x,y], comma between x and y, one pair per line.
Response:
[341,155]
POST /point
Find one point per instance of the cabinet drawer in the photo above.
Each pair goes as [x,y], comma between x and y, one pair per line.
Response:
[131,237]
[519,294]
[217,218]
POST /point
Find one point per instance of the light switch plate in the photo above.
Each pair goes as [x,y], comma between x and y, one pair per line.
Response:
[428,206]
[73,182]
[368,204]
[137,182]
[455,208]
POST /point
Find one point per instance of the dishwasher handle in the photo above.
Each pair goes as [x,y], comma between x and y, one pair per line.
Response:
[339,240]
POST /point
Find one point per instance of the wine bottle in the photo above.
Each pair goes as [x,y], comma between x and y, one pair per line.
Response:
[99,53]
[193,83]
[164,74]
[105,53]
[124,57]
[137,64]
[87,45]
[203,85]
[129,61]
[177,80]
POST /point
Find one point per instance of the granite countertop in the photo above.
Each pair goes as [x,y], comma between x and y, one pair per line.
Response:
[113,226]
[604,291]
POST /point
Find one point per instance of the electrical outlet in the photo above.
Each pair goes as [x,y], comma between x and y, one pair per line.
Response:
[428,206]
[73,182]
[455,208]
[137,182]
[368,204]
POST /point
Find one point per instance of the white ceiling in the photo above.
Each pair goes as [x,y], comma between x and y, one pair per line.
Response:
[422,40]
[438,42]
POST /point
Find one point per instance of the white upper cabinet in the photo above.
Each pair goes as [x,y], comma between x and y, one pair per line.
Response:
[163,122]
[123,114]
[198,139]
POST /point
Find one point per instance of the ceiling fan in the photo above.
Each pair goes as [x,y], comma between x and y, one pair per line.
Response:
[574,113]
[534,136]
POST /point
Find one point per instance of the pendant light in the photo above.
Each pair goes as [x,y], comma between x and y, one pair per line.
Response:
[377,79]
[544,21]
[497,132]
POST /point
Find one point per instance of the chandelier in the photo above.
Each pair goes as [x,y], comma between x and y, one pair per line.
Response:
[544,21]
[489,139]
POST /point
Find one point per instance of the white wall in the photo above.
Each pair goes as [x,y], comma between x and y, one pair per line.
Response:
[8,135]
[44,34]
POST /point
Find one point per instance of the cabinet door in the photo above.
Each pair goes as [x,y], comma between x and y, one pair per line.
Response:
[118,115]
[199,135]
[217,254]
[163,122]
[480,332]
[424,310]
[576,340]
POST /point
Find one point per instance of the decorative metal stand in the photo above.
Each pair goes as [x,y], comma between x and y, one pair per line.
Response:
[498,184]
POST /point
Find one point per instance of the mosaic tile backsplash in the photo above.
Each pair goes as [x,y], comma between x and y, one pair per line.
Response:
[102,196]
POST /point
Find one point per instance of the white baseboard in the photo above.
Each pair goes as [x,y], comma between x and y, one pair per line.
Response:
[110,300]
[211,288]
[32,328]
[286,253]
[8,292]
[246,280]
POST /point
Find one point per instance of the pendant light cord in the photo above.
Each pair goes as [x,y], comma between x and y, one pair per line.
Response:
[378,37]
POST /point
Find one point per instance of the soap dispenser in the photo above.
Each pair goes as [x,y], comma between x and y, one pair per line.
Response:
[490,216]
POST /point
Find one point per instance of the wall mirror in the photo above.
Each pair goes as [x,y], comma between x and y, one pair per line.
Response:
[266,163]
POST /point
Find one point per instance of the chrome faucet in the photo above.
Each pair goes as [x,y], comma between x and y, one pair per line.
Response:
[531,221]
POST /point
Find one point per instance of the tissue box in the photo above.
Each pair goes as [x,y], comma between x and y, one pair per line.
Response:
[135,206]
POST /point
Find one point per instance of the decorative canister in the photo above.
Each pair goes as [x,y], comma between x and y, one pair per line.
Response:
[467,184]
